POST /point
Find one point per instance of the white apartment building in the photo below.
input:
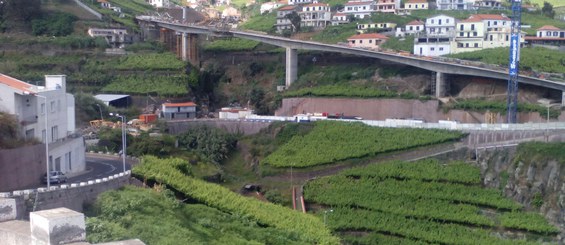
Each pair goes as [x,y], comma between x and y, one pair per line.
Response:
[297,2]
[32,105]
[488,4]
[114,36]
[440,25]
[317,15]
[283,23]
[455,4]
[159,3]
[388,6]
[340,18]
[416,4]
[359,9]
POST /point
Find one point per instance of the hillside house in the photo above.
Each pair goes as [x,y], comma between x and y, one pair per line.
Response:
[316,15]
[470,35]
[388,6]
[455,4]
[340,18]
[488,4]
[159,3]
[367,40]
[104,4]
[413,27]
[440,25]
[548,36]
[115,37]
[379,27]
[299,2]
[173,111]
[270,6]
[46,113]
[416,4]
[359,9]
[283,23]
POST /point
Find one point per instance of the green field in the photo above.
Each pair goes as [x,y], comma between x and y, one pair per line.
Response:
[422,202]
[332,141]
[555,3]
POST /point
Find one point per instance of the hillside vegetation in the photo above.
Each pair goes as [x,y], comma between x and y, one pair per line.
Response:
[423,202]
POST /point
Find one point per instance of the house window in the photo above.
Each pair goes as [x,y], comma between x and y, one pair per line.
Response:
[440,49]
[476,45]
[466,45]
[488,23]
[461,34]
[496,23]
[432,49]
[447,21]
[370,41]
[417,28]
[490,37]
[52,106]
[555,34]
[360,41]
[472,27]
[548,33]
[432,21]
[460,45]
[439,22]
[475,34]
[422,6]
[54,133]
[42,108]
[410,28]
[506,37]
[461,27]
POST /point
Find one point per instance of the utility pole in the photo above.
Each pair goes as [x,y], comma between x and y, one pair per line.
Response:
[514,61]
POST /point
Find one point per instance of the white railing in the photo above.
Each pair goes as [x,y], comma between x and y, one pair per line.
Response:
[121,175]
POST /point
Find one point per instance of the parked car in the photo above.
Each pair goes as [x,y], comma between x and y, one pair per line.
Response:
[55,177]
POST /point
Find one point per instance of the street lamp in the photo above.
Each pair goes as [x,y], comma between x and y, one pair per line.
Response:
[46,138]
[123,138]
[549,106]
[325,214]
[100,109]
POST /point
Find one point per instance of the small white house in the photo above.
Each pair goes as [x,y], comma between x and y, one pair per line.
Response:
[184,110]
[367,40]
[234,113]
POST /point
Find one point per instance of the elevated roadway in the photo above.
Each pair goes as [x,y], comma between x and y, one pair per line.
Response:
[438,66]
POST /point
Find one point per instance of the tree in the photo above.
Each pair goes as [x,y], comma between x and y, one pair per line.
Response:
[547,10]
[294,20]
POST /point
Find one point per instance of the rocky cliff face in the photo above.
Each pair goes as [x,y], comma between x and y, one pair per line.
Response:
[533,179]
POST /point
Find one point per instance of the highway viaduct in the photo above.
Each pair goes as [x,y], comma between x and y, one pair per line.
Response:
[439,68]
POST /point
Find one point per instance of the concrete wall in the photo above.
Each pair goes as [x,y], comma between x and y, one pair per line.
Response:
[73,196]
[22,167]
[381,109]
[235,126]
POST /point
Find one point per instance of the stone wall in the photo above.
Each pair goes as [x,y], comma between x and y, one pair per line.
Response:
[22,167]
[381,109]
[232,126]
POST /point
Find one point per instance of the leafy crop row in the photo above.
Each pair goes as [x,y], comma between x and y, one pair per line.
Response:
[167,172]
[234,44]
[429,231]
[332,141]
[527,221]
[426,170]
[160,85]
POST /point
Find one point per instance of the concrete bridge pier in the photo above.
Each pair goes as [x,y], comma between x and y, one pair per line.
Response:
[562,98]
[184,54]
[441,85]
[291,66]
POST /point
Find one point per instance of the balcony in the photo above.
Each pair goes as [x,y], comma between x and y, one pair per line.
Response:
[28,120]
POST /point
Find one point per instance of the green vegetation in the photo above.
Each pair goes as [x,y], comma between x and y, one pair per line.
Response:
[262,22]
[500,107]
[230,45]
[396,44]
[156,217]
[423,202]
[537,59]
[555,3]
[335,34]
[331,141]
[57,24]
[537,152]
[155,61]
[10,136]
[213,143]
[173,173]
[163,86]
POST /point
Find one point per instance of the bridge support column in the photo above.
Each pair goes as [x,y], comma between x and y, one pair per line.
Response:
[291,66]
[440,84]
[192,46]
[184,44]
[562,98]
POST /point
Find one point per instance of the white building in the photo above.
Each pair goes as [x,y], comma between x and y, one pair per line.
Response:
[340,18]
[159,3]
[455,4]
[367,40]
[33,105]
[359,9]
[416,4]
[388,6]
[297,2]
[317,15]
[440,25]
[184,110]
[413,27]
[268,7]
[283,23]
[115,37]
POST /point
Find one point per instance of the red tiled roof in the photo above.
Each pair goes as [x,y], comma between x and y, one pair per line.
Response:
[489,17]
[289,7]
[368,36]
[357,3]
[179,104]
[15,83]
[472,19]
[417,1]
[549,28]
[414,23]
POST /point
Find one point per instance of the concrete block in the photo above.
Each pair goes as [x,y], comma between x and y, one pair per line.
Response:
[8,209]
[121,174]
[98,181]
[110,177]
[82,183]
[42,189]
[57,226]
[64,186]
[104,179]
[90,182]
[74,185]
[29,191]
